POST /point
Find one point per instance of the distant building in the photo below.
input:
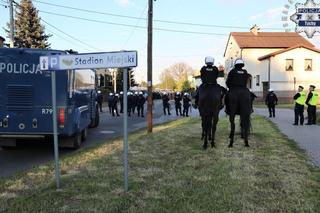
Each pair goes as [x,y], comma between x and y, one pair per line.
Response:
[285,59]
[104,79]
[2,41]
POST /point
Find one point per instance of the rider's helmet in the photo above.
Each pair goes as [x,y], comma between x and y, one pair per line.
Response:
[117,95]
[178,93]
[99,92]
[121,93]
[136,93]
[239,62]
[209,60]
[186,94]
[111,94]
[270,90]
[140,93]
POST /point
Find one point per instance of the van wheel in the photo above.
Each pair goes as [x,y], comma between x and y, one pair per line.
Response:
[77,140]
[84,134]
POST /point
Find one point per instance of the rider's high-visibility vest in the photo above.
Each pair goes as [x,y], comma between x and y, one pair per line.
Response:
[302,99]
[314,99]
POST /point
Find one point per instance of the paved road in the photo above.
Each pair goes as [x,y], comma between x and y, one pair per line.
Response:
[307,137]
[32,154]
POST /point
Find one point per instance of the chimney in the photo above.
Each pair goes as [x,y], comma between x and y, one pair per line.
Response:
[1,41]
[255,29]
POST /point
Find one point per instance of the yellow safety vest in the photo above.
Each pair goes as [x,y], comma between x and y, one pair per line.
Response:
[302,99]
[314,99]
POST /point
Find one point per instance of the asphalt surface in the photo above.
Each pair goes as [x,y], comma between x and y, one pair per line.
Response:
[307,137]
[31,153]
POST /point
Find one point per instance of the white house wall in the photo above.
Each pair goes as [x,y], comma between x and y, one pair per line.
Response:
[282,80]
[256,67]
[233,51]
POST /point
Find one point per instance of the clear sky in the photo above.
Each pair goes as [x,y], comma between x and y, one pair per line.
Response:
[169,47]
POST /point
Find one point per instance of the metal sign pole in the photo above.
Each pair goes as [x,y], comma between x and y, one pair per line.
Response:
[125,128]
[55,130]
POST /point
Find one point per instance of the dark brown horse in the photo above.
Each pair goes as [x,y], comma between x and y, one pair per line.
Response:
[209,107]
[240,103]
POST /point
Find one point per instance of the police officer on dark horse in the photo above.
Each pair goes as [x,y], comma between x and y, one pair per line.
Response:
[238,100]
[208,98]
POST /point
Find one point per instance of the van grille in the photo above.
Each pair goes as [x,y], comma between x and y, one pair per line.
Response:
[20,97]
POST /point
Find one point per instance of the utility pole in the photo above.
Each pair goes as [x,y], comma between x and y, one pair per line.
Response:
[150,101]
[11,24]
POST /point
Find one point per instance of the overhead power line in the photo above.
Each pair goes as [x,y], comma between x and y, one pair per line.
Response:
[134,29]
[61,31]
[155,28]
[70,36]
[155,20]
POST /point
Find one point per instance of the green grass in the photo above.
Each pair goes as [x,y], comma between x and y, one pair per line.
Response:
[169,172]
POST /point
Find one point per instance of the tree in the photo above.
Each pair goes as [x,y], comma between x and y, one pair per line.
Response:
[143,84]
[29,32]
[186,86]
[167,81]
[174,76]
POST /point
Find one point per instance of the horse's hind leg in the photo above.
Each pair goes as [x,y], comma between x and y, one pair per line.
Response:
[202,134]
[246,129]
[213,130]
[232,124]
[205,141]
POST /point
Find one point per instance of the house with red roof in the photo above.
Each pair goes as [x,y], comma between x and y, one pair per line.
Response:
[278,60]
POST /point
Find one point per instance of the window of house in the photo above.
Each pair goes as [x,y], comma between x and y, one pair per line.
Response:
[289,64]
[308,64]
[258,80]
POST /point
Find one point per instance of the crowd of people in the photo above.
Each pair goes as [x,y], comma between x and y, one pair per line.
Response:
[136,102]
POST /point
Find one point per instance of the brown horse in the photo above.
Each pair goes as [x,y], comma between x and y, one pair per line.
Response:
[209,107]
[240,102]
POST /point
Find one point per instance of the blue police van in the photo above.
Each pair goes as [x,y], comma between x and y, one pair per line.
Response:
[26,103]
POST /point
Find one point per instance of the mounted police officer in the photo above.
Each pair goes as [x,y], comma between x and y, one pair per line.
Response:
[177,103]
[141,102]
[237,78]
[110,101]
[300,99]
[312,101]
[166,104]
[186,104]
[209,74]
[271,102]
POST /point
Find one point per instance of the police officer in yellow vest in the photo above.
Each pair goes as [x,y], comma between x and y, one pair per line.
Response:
[300,99]
[312,101]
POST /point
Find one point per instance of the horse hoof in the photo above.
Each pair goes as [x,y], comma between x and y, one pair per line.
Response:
[230,146]
[213,145]
[247,145]
[204,147]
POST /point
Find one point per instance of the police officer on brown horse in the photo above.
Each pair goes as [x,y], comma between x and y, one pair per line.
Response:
[209,74]
[239,100]
[208,98]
